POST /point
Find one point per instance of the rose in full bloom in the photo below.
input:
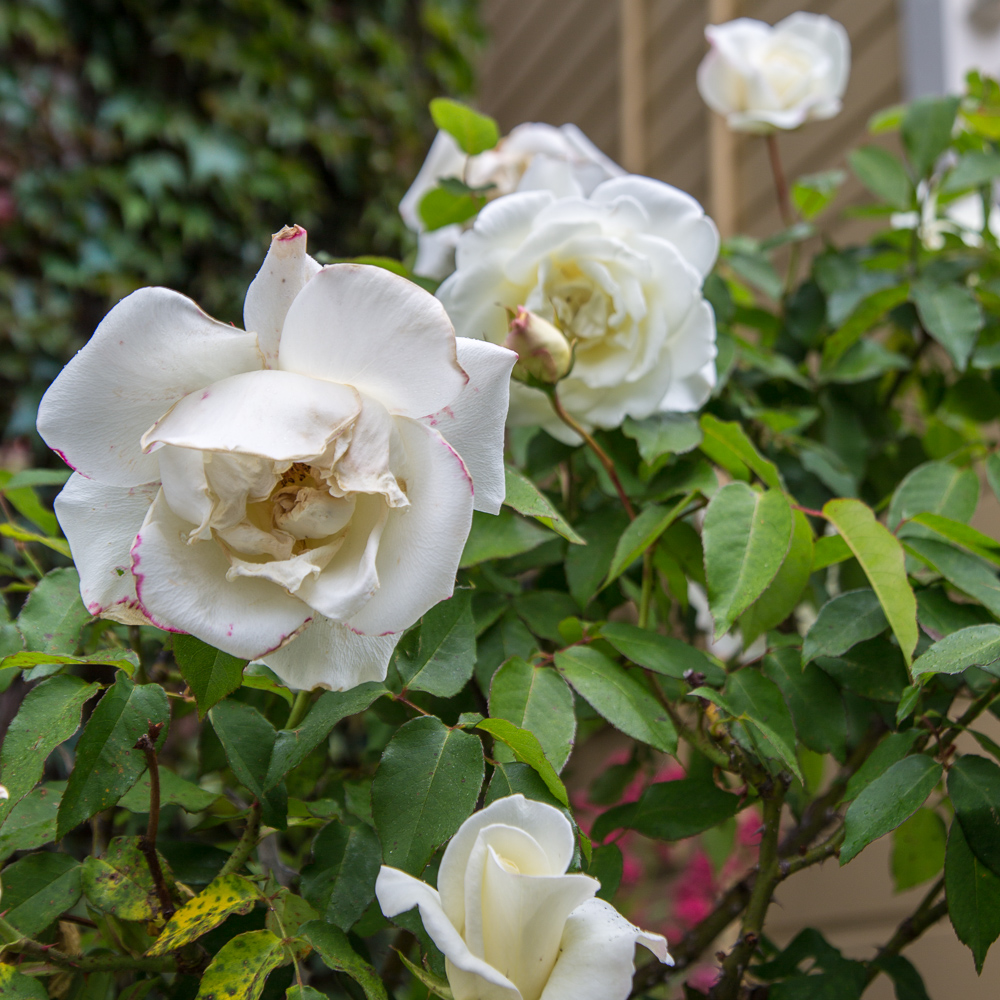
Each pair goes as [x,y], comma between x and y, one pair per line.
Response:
[511,923]
[620,273]
[764,78]
[532,157]
[299,493]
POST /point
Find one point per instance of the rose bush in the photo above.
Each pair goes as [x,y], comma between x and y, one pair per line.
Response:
[294,493]
[620,273]
[511,923]
[533,156]
[764,78]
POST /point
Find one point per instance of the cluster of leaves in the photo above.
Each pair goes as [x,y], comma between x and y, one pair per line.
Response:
[161,143]
[214,831]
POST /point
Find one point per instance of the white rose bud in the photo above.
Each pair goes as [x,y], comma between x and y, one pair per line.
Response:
[512,924]
[541,349]
[763,79]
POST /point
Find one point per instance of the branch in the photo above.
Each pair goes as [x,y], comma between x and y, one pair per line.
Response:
[970,715]
[246,843]
[926,914]
[101,963]
[147,844]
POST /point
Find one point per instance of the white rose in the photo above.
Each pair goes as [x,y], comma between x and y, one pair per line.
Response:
[280,493]
[763,78]
[621,274]
[510,922]
[532,157]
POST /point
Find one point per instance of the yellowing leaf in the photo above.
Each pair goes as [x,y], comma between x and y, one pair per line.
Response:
[226,895]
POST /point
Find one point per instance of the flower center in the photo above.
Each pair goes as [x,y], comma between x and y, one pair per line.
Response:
[581,308]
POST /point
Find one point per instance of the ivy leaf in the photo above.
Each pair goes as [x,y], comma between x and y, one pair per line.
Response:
[107,763]
[973,893]
[222,897]
[525,497]
[746,536]
[209,673]
[474,132]
[425,787]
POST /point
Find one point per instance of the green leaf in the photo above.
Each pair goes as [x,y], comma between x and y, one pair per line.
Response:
[935,487]
[758,270]
[881,557]
[525,497]
[993,473]
[517,778]
[976,646]
[670,810]
[758,703]
[527,750]
[440,207]
[828,551]
[425,787]
[32,822]
[335,950]
[843,622]
[974,787]
[53,615]
[500,537]
[782,594]
[952,316]
[209,673]
[892,749]
[249,740]
[25,501]
[872,669]
[889,800]
[643,532]
[973,894]
[222,897]
[815,703]
[292,746]
[960,569]
[918,847]
[446,654]
[241,966]
[340,882]
[727,444]
[865,317]
[120,883]
[866,360]
[544,611]
[660,653]
[607,865]
[437,986]
[618,697]
[587,566]
[811,193]
[296,992]
[22,535]
[38,888]
[663,434]
[974,169]
[940,616]
[48,716]
[123,659]
[107,763]
[927,127]
[883,175]
[174,791]
[474,132]
[746,536]
[536,699]
[15,986]
[961,534]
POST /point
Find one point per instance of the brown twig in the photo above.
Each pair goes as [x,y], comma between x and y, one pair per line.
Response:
[780,183]
[147,844]
[926,914]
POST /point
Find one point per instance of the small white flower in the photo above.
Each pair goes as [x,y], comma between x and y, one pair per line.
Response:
[620,273]
[962,217]
[533,157]
[511,923]
[764,78]
[294,493]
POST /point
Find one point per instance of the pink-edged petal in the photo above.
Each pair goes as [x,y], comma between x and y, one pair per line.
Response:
[153,348]
[329,655]
[182,586]
[544,823]
[422,543]
[474,423]
[398,892]
[274,414]
[186,488]
[597,955]
[366,327]
[286,269]
[100,523]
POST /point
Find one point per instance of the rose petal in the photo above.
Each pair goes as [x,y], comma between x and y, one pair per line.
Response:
[436,253]
[286,269]
[422,543]
[474,423]
[153,348]
[329,655]
[366,327]
[831,38]
[100,523]
[398,892]
[183,586]
[546,824]
[596,960]
[274,414]
[444,159]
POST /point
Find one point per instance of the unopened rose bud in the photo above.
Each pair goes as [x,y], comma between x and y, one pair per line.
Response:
[542,350]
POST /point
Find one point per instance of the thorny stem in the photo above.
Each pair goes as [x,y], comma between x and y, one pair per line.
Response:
[695,737]
[970,715]
[298,710]
[246,843]
[602,455]
[648,579]
[926,914]
[100,963]
[780,183]
[147,844]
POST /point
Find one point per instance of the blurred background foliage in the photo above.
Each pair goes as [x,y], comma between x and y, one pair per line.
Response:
[162,141]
